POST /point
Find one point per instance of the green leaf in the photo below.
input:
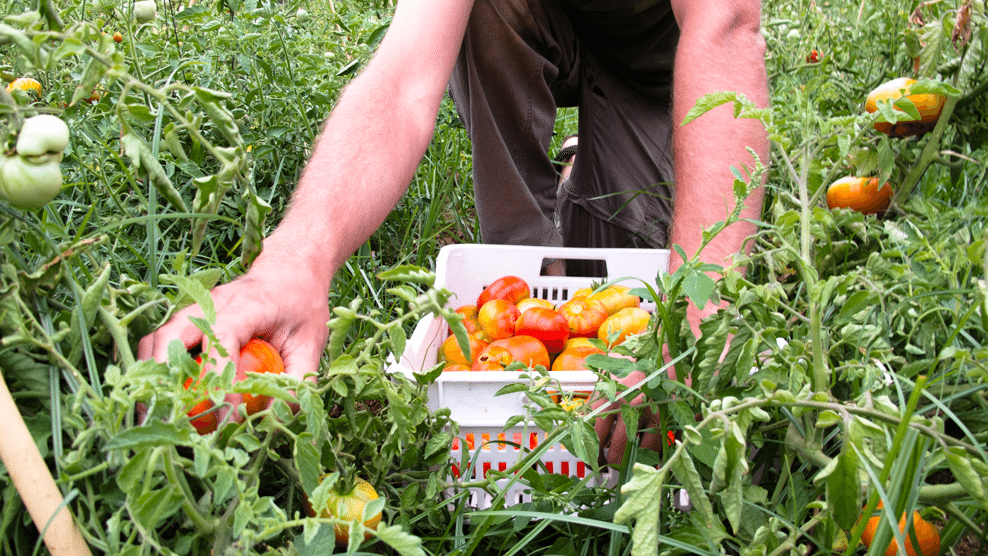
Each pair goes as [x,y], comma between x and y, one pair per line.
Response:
[139,153]
[643,501]
[974,484]
[155,506]
[843,488]
[397,538]
[698,286]
[154,433]
[686,473]
[306,458]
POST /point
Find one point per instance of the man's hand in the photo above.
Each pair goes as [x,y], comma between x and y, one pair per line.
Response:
[613,432]
[282,305]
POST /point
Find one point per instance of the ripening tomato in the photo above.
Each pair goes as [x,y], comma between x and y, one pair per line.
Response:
[615,298]
[929,106]
[118,37]
[631,320]
[497,317]
[456,367]
[501,353]
[927,535]
[348,506]
[582,292]
[207,423]
[547,325]
[584,316]
[530,302]
[578,342]
[28,84]
[471,323]
[451,354]
[510,288]
[860,194]
[574,358]
[258,356]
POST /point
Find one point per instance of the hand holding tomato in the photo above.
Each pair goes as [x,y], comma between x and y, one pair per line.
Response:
[277,300]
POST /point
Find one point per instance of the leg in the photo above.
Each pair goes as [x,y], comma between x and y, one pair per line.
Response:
[512,67]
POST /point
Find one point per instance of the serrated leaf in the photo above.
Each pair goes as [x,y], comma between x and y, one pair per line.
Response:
[687,475]
[397,538]
[843,488]
[643,500]
[155,506]
[154,433]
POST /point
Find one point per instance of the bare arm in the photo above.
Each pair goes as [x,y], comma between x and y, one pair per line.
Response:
[361,165]
[720,49]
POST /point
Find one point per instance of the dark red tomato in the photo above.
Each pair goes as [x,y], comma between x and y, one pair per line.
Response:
[547,325]
[510,288]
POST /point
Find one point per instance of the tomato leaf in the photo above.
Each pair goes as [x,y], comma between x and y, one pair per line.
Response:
[964,472]
[153,433]
[643,503]
[154,506]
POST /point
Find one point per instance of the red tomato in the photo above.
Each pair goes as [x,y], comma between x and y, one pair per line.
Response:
[584,316]
[510,288]
[258,356]
[207,423]
[632,320]
[861,194]
[497,317]
[501,353]
[547,325]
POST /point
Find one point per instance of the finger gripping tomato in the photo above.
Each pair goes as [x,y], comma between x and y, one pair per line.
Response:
[929,106]
[927,535]
[860,194]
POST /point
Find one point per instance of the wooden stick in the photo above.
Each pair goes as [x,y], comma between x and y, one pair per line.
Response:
[34,483]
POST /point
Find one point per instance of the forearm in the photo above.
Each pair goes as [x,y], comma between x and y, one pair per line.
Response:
[730,58]
[361,164]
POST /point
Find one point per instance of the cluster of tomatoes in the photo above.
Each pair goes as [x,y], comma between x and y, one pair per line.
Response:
[866,194]
[508,325]
[813,57]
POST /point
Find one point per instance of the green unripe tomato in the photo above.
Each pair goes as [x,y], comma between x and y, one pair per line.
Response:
[145,10]
[42,139]
[302,16]
[29,186]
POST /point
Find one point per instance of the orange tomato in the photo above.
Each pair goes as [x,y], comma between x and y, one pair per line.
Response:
[207,423]
[258,356]
[860,194]
[510,288]
[25,84]
[615,298]
[456,367]
[547,325]
[501,353]
[497,317]
[929,106]
[578,342]
[117,37]
[631,320]
[574,358]
[471,323]
[927,535]
[584,316]
[451,354]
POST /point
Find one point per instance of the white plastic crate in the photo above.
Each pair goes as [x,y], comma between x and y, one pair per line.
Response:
[466,270]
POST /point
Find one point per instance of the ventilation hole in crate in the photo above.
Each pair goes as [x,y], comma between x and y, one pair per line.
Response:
[533,440]
[581,469]
[456,471]
[487,467]
[485,440]
[564,467]
[502,466]
[548,466]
